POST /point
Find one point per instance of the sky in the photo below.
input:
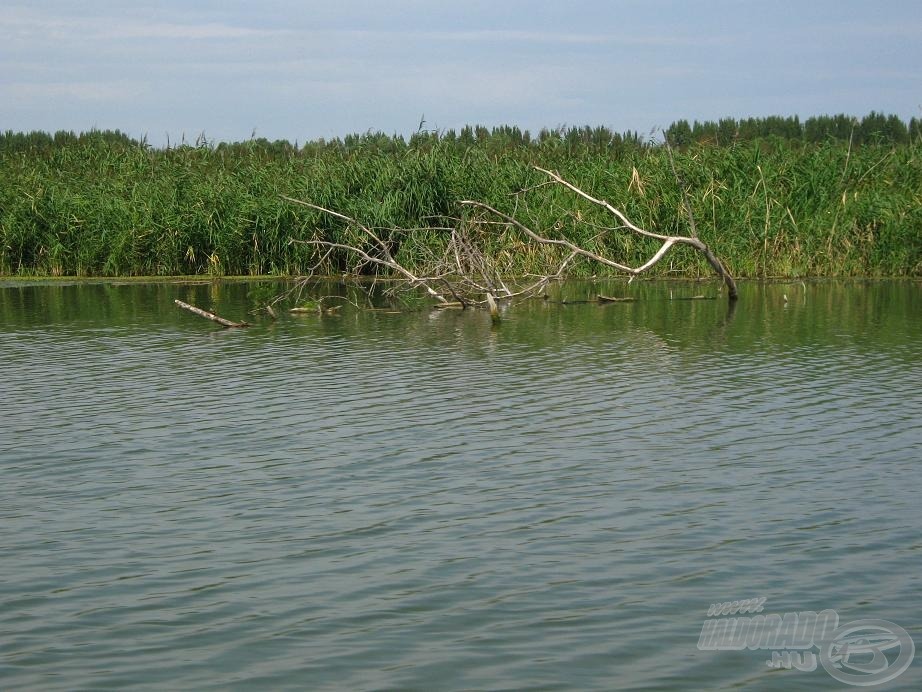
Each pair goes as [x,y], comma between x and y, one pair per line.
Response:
[284,69]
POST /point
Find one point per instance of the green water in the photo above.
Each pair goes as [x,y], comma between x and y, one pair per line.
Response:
[425,501]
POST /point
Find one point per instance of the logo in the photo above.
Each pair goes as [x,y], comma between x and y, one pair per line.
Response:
[861,653]
[858,652]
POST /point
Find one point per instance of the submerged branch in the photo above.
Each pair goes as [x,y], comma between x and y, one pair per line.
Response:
[209,315]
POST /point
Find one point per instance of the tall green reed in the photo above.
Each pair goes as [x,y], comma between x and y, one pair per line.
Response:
[770,206]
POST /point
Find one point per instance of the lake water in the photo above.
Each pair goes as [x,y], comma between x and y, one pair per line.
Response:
[424,501]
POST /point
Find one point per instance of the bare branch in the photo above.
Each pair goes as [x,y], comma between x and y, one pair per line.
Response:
[388,260]
[209,315]
[604,204]
[567,244]
[381,244]
[694,241]
[464,270]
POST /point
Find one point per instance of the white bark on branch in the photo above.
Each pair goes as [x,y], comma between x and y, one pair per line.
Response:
[468,272]
[209,315]
[694,241]
[570,246]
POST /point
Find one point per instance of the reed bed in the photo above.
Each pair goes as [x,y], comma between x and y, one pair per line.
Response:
[771,205]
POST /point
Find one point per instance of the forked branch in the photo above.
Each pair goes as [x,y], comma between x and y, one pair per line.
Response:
[668,241]
[464,273]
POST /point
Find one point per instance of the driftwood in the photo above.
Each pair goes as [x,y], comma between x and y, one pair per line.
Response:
[209,315]
[610,299]
[464,274]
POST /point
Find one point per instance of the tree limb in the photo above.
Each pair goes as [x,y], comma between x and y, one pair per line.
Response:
[468,272]
[694,241]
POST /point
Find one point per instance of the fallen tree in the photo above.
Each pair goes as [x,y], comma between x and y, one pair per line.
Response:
[464,273]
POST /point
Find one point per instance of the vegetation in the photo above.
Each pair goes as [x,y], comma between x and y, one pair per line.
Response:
[773,197]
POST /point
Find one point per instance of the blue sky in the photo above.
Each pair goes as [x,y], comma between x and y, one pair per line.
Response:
[303,70]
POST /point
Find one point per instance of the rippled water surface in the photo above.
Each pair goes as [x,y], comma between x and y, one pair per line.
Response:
[424,501]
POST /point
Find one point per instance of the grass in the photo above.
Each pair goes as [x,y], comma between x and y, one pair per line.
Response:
[104,205]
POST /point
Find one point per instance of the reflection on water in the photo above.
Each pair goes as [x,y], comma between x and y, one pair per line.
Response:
[422,500]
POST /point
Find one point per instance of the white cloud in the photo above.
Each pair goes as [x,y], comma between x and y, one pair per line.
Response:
[21,24]
[571,38]
[33,25]
[894,30]
[87,91]
[195,32]
[293,67]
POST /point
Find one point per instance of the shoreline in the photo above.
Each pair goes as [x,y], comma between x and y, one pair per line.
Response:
[620,278]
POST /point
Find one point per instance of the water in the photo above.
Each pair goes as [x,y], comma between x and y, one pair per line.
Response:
[422,501]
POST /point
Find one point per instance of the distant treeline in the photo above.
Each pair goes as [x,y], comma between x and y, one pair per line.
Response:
[832,196]
[874,128]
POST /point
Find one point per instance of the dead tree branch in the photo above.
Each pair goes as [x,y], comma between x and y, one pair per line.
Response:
[387,260]
[460,272]
[668,241]
[209,315]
